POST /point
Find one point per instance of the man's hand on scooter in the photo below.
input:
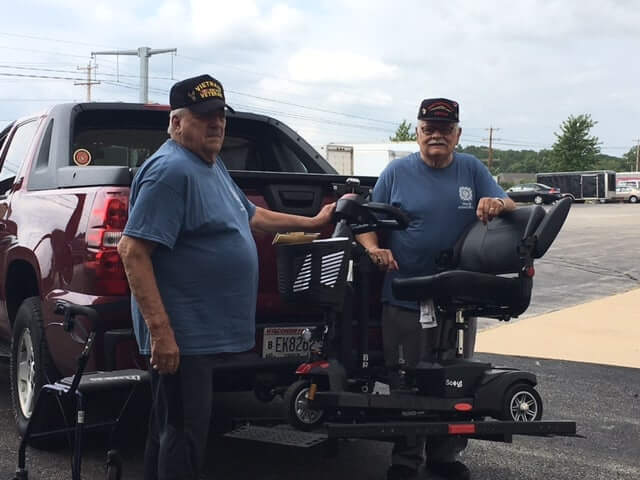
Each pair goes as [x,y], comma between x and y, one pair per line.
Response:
[489,208]
[383,258]
[324,217]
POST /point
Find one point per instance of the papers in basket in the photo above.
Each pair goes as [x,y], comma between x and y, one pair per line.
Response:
[428,314]
[294,237]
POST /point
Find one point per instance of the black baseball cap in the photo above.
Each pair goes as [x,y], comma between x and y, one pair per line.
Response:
[201,94]
[438,110]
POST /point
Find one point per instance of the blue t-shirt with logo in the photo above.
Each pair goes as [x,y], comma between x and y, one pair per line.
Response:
[441,203]
[206,262]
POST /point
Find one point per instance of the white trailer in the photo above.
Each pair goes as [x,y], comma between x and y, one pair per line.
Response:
[367,159]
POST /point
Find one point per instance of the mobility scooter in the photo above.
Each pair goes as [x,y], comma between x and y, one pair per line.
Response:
[488,273]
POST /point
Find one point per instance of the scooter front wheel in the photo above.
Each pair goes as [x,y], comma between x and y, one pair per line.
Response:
[522,403]
[298,412]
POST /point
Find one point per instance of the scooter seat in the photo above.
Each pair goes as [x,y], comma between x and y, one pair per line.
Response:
[482,292]
[117,379]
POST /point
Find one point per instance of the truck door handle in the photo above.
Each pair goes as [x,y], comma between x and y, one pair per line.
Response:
[297,198]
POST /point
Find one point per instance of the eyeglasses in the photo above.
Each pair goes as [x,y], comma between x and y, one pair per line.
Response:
[445,129]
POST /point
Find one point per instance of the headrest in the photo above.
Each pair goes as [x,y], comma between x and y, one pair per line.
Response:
[550,226]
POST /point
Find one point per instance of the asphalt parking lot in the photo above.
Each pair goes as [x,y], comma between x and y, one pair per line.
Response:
[595,255]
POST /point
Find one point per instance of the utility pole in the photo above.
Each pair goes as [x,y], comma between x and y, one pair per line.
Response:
[491,139]
[89,82]
[637,155]
[143,53]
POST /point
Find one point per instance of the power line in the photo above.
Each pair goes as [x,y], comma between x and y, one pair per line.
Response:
[236,92]
[49,77]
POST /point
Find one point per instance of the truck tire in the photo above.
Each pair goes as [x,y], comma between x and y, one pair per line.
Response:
[31,367]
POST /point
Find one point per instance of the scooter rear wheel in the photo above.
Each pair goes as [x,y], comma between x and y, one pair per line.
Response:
[522,403]
[297,410]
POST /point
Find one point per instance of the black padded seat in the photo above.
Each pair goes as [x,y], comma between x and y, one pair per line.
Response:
[482,293]
[117,379]
[473,277]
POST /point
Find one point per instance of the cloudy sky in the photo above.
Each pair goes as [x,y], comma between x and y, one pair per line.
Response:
[345,71]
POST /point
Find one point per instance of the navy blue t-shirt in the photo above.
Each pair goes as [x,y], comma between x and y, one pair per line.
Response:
[441,203]
[206,262]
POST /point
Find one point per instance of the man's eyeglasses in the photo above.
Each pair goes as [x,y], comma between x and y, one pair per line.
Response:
[445,129]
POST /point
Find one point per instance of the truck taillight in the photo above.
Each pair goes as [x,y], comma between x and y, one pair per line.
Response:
[106,224]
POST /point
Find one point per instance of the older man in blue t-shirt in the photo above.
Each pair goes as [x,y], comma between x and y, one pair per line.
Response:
[442,192]
[192,266]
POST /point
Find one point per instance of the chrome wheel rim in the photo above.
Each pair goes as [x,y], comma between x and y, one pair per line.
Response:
[26,373]
[304,412]
[524,407]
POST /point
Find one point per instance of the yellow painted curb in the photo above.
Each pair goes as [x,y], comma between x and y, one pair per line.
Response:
[604,331]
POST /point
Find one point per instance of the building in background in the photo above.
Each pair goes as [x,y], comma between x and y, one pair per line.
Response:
[366,159]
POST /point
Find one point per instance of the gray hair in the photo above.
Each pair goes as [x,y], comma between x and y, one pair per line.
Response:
[178,112]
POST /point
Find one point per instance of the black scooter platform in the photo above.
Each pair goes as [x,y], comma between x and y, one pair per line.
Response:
[394,401]
[501,431]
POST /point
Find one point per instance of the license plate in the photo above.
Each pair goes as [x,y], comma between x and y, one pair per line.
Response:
[283,342]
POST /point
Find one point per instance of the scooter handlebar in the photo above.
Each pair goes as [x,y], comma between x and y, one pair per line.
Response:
[362,217]
[398,219]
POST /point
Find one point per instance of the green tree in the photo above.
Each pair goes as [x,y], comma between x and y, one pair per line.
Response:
[629,160]
[404,133]
[575,149]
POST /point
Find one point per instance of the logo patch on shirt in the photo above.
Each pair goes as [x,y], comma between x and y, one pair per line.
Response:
[466,197]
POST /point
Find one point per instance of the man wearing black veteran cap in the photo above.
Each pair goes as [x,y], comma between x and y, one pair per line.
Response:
[443,192]
[192,267]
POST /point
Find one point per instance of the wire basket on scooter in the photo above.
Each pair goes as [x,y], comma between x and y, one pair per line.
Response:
[314,273]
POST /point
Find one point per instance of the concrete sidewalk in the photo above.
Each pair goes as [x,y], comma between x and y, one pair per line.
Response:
[604,331]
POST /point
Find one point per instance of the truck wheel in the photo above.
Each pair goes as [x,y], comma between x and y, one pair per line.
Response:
[297,410]
[31,368]
[114,465]
[537,200]
[633,199]
[522,403]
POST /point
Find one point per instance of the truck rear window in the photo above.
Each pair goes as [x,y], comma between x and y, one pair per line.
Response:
[127,138]
[117,138]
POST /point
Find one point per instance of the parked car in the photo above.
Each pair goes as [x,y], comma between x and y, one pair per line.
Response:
[537,193]
[627,194]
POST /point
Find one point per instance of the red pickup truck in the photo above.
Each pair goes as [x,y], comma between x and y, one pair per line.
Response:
[64,187]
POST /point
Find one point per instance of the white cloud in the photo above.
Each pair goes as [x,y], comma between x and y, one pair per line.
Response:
[334,66]
[278,86]
[369,98]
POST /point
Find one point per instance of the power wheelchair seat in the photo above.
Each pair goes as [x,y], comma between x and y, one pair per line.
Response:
[489,271]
